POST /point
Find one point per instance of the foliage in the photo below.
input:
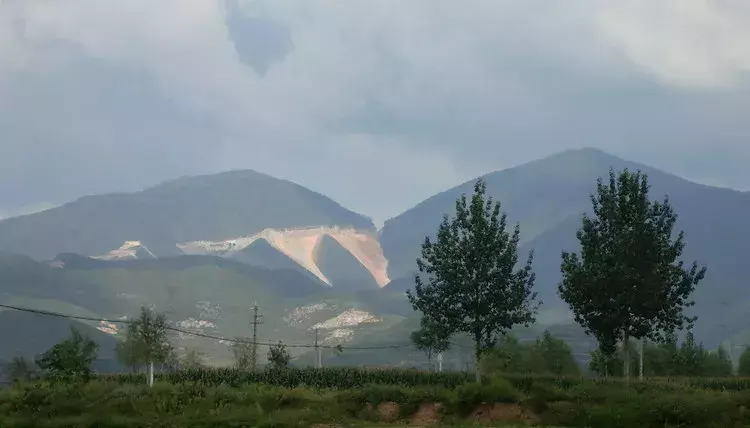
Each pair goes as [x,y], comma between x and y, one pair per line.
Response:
[471,285]
[278,356]
[243,353]
[70,359]
[131,349]
[471,395]
[149,333]
[19,369]
[666,359]
[744,366]
[611,364]
[339,377]
[556,401]
[547,355]
[428,339]
[555,355]
[627,282]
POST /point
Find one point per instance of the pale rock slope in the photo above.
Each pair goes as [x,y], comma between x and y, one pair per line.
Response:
[300,246]
[128,250]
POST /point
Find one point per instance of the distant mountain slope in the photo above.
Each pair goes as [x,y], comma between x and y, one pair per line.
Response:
[548,197]
[204,294]
[28,335]
[212,207]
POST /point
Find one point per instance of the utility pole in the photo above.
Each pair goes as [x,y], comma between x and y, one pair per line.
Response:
[257,319]
[318,357]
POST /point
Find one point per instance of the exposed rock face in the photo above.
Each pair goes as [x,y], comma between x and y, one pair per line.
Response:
[301,245]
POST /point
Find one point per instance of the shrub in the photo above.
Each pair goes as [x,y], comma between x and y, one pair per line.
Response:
[470,395]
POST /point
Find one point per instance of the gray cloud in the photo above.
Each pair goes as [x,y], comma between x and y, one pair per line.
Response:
[357,98]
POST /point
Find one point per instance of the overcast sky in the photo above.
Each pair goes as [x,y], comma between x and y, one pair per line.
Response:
[375,103]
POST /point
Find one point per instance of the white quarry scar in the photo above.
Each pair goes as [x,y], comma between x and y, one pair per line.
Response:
[300,244]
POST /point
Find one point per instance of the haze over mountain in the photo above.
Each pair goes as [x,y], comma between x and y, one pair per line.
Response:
[236,238]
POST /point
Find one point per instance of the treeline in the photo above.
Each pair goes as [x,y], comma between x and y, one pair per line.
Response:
[689,359]
[547,355]
[626,283]
[144,344]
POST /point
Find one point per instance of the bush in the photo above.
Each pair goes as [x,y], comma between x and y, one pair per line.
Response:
[470,395]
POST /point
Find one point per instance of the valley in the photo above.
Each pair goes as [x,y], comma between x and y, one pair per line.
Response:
[204,250]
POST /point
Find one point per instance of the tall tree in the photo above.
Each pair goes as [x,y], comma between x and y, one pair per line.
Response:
[71,358]
[471,284]
[149,330]
[627,282]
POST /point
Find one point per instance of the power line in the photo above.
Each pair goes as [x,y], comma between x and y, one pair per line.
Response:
[203,335]
[317,346]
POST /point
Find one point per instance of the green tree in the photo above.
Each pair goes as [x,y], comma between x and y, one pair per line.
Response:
[149,331]
[718,363]
[278,356]
[691,356]
[70,359]
[667,359]
[470,285]
[19,369]
[744,363]
[507,356]
[555,355]
[428,340]
[130,350]
[243,353]
[627,282]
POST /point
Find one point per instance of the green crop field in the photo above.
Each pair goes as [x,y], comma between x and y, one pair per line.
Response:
[348,397]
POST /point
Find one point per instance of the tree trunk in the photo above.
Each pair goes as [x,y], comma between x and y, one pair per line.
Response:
[626,363]
[477,358]
[440,362]
[150,373]
[640,363]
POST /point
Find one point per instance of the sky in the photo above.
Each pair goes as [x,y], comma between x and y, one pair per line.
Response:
[376,103]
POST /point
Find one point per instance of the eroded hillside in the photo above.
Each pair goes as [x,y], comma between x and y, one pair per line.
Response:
[301,246]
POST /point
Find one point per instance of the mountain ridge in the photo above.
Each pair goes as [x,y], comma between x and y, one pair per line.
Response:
[343,253]
[212,207]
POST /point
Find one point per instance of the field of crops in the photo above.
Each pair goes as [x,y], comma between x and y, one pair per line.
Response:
[350,378]
[353,397]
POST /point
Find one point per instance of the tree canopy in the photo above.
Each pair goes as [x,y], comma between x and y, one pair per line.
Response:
[547,355]
[70,359]
[278,356]
[667,359]
[468,281]
[146,342]
[627,281]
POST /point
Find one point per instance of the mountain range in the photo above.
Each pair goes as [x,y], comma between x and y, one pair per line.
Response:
[207,248]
